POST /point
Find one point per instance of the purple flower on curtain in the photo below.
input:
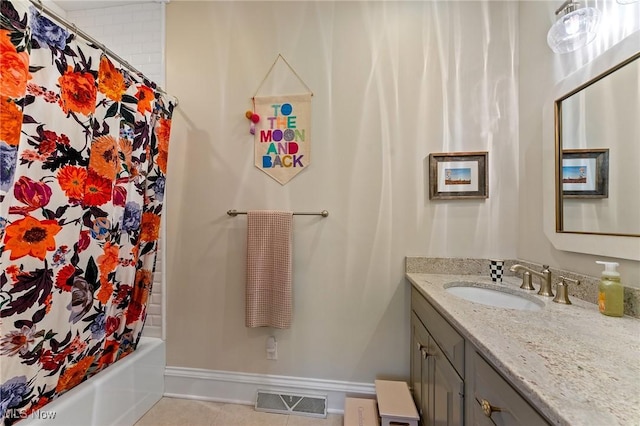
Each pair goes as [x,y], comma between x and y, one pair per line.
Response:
[46,32]
[98,327]
[81,299]
[126,340]
[59,256]
[3,226]
[158,188]
[8,157]
[11,393]
[126,132]
[132,216]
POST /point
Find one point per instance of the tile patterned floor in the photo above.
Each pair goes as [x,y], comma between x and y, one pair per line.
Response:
[187,412]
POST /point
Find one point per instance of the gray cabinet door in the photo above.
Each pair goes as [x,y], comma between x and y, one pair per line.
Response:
[438,390]
[490,397]
[419,342]
[446,337]
[447,392]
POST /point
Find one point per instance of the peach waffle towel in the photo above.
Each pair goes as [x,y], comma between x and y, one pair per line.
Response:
[268,292]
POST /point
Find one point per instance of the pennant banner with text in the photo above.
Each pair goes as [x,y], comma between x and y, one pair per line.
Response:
[282,140]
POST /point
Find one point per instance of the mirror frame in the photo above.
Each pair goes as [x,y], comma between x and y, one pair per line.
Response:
[619,246]
[559,150]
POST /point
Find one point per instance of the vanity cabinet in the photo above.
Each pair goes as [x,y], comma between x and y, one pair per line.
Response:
[437,366]
[445,368]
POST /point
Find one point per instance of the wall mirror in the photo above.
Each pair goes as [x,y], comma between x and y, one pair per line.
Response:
[597,131]
[591,161]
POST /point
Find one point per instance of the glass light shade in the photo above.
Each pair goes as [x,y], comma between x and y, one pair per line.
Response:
[574,30]
[626,1]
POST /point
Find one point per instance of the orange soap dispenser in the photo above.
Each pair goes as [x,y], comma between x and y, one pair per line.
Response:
[611,291]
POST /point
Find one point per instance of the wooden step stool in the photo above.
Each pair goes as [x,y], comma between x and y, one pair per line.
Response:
[395,404]
[360,412]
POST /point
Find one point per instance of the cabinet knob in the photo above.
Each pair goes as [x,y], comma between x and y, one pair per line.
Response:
[487,408]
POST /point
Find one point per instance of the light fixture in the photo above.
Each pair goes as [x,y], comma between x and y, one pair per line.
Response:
[575,27]
[626,1]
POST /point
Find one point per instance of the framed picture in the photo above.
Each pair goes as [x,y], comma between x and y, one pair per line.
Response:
[458,175]
[585,173]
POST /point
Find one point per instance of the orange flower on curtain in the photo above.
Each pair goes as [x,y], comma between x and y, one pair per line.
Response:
[77,92]
[104,159]
[107,263]
[109,354]
[72,180]
[126,151]
[74,374]
[31,237]
[10,121]
[64,279]
[150,227]
[14,68]
[106,289]
[110,80]
[163,131]
[145,96]
[97,190]
[139,295]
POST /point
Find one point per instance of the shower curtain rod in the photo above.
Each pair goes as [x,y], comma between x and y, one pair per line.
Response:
[323,213]
[90,39]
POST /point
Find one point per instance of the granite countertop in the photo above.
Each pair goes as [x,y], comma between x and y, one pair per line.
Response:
[575,365]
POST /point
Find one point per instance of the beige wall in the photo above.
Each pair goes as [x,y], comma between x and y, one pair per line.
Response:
[540,71]
[392,82]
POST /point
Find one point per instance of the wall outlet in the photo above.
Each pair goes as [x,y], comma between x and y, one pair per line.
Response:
[272,348]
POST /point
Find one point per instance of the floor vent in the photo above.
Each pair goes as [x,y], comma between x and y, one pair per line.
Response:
[286,403]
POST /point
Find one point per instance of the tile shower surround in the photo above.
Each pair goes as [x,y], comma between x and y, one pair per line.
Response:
[587,290]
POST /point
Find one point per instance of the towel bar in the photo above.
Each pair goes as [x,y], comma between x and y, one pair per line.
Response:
[323,213]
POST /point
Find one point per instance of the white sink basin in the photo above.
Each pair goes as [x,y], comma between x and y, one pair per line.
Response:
[498,297]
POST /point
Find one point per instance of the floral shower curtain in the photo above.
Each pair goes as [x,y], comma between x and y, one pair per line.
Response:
[83,148]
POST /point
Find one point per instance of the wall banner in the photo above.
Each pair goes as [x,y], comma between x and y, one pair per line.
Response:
[282,140]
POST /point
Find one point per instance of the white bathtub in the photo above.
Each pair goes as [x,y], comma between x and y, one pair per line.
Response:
[117,396]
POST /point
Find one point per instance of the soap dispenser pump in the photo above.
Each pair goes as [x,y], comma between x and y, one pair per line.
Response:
[611,291]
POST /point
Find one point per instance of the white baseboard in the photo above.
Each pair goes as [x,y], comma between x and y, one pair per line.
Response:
[241,388]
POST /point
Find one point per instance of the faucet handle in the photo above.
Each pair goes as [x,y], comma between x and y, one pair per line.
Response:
[526,281]
[562,288]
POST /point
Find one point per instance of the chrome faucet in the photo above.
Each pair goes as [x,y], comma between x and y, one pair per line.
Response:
[545,278]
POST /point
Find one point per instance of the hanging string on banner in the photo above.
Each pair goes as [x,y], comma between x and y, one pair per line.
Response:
[271,69]
[251,114]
